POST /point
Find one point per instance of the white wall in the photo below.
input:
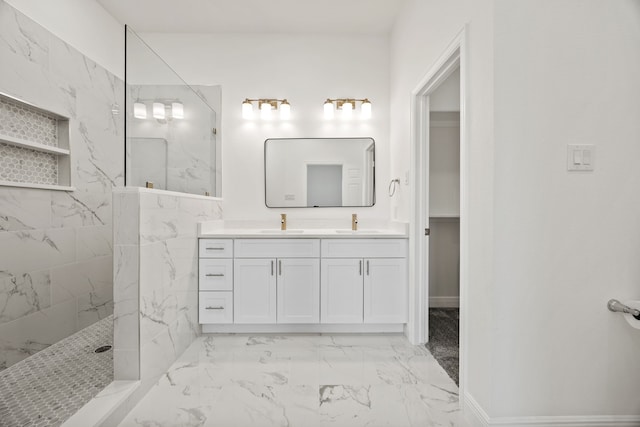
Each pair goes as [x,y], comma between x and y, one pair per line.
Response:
[83,24]
[447,95]
[444,164]
[421,33]
[304,69]
[547,248]
[565,242]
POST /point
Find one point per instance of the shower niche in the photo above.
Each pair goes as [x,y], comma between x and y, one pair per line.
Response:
[34,146]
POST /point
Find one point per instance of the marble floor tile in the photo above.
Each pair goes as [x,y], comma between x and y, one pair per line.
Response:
[301,381]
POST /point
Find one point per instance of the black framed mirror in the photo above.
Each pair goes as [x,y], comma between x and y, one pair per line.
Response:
[319,172]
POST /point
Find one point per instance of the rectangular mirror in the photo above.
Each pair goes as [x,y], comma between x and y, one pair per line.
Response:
[319,172]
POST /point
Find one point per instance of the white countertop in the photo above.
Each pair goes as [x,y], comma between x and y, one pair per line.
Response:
[302,229]
[302,233]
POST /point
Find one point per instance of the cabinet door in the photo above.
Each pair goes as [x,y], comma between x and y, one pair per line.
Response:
[341,290]
[254,291]
[298,290]
[385,290]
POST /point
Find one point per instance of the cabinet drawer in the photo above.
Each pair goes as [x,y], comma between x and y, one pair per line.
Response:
[215,307]
[215,274]
[364,248]
[277,248]
[216,248]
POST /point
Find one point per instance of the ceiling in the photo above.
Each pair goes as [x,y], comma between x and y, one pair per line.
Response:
[256,16]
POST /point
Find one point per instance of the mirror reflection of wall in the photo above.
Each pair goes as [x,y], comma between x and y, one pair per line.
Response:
[319,172]
[148,162]
[324,185]
[162,107]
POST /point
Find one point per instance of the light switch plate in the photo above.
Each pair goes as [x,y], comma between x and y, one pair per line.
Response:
[580,158]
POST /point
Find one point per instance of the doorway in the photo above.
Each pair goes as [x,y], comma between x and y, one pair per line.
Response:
[446,199]
[444,225]
[324,185]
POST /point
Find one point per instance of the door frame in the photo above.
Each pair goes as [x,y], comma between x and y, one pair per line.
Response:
[452,57]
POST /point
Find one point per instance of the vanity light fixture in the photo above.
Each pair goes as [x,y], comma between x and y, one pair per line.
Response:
[347,105]
[160,109]
[139,110]
[266,107]
[177,110]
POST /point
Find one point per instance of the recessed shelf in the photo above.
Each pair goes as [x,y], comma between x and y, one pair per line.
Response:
[34,146]
[37,186]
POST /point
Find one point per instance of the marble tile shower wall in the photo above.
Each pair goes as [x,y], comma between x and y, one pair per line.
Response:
[156,278]
[56,250]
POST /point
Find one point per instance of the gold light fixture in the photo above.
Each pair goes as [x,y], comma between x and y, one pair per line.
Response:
[266,107]
[347,106]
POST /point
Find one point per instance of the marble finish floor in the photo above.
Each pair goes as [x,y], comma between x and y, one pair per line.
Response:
[444,342]
[301,381]
[48,387]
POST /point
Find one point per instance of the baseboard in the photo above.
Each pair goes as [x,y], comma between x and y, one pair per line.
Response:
[303,328]
[473,412]
[444,302]
[477,417]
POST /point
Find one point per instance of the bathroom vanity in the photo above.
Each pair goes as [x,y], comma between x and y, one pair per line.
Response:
[303,281]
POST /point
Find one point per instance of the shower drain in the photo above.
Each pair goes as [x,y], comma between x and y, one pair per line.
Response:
[102,349]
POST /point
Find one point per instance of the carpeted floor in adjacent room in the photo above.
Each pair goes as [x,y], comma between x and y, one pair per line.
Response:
[443,343]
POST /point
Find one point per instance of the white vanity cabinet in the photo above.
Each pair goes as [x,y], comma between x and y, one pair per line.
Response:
[364,281]
[277,281]
[303,284]
[215,281]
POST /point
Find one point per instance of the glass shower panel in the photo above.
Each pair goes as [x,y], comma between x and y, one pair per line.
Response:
[172,127]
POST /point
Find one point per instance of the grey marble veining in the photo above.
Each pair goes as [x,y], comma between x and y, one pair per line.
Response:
[156,297]
[56,246]
[301,380]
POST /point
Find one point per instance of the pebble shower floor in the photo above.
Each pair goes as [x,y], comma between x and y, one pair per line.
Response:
[49,387]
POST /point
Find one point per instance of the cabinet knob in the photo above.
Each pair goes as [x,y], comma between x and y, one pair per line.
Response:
[215,275]
[214,308]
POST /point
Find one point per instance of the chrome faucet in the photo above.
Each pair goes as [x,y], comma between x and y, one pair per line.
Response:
[354,222]
[283,221]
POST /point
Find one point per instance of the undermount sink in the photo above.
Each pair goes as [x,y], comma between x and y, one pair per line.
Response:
[270,231]
[357,231]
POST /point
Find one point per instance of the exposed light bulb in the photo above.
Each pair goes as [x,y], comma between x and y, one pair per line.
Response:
[177,110]
[139,110]
[265,110]
[247,109]
[347,110]
[158,110]
[366,109]
[285,110]
[328,109]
